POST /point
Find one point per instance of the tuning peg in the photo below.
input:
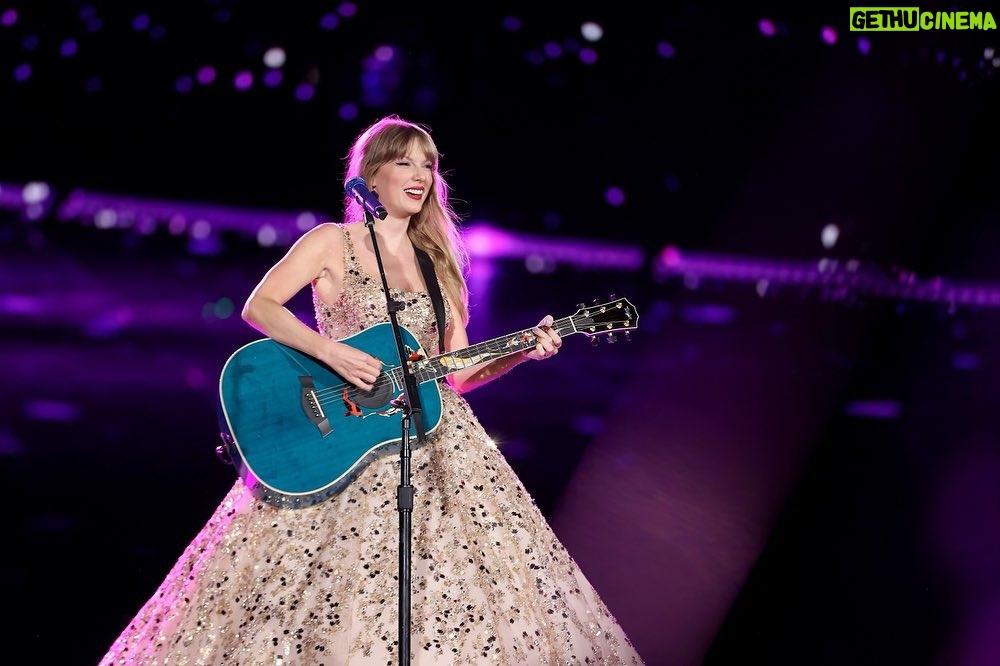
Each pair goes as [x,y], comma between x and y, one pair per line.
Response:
[594,341]
[628,336]
[580,306]
[596,301]
[612,339]
[612,297]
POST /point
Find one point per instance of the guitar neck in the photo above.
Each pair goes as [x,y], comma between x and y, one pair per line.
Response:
[430,369]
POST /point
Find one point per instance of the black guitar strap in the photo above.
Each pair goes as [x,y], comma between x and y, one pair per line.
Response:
[427,268]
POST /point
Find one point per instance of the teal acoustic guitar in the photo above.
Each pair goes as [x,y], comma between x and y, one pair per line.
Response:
[298,433]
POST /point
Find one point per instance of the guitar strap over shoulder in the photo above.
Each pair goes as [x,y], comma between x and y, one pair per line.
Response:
[430,278]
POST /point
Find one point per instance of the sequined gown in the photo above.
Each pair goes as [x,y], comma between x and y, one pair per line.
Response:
[490,581]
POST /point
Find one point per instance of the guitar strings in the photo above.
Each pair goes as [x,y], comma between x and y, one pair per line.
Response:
[334,392]
[338,389]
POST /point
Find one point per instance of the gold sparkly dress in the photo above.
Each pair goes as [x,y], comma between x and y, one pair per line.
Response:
[490,581]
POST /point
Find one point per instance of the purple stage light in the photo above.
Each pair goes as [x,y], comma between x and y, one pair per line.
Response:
[22,72]
[52,410]
[273,78]
[588,56]
[874,409]
[184,84]
[348,111]
[304,92]
[512,24]
[966,361]
[206,75]
[243,80]
[615,196]
[665,50]
[68,48]
[329,21]
[10,195]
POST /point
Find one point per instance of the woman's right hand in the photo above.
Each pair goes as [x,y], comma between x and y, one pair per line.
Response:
[358,367]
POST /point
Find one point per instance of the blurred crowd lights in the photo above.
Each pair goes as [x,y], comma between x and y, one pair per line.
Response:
[294,67]
[204,223]
[256,62]
[840,279]
[32,200]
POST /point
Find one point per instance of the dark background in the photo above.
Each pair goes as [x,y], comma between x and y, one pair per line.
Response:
[794,461]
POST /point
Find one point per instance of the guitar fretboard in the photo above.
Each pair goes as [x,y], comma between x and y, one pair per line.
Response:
[430,369]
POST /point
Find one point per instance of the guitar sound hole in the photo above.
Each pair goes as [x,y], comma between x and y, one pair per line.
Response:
[380,394]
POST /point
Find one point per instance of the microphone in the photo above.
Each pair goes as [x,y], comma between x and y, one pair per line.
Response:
[357,190]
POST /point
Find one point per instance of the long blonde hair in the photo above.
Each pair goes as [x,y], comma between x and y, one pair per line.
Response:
[436,229]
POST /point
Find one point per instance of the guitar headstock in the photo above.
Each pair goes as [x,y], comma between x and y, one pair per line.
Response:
[606,319]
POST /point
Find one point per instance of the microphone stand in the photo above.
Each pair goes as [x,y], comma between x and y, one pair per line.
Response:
[409,403]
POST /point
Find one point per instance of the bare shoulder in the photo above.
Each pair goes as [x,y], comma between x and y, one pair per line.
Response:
[316,257]
[327,232]
[323,240]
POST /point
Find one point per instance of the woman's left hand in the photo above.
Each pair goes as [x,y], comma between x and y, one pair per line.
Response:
[547,341]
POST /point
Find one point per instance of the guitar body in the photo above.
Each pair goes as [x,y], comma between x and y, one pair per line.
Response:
[297,432]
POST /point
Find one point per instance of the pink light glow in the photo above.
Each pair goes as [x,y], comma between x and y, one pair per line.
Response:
[206,75]
[766,27]
[243,80]
[487,241]
[670,257]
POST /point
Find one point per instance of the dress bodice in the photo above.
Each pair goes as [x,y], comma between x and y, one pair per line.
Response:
[362,304]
